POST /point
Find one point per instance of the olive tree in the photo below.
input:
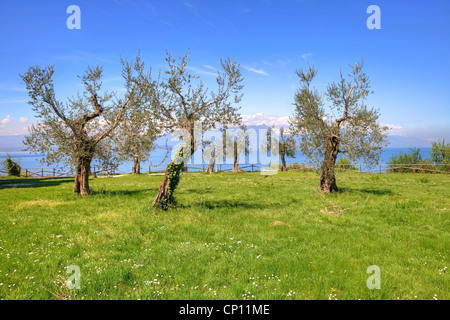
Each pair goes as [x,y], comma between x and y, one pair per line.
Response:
[214,150]
[136,135]
[79,130]
[354,132]
[287,145]
[183,100]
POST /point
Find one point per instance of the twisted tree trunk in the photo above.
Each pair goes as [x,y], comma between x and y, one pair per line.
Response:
[137,162]
[83,169]
[165,198]
[283,161]
[328,179]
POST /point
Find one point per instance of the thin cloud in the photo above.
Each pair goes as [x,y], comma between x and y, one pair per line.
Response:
[6,87]
[191,7]
[267,63]
[188,4]
[305,56]
[259,71]
[209,67]
[112,79]
[10,101]
[283,62]
[200,71]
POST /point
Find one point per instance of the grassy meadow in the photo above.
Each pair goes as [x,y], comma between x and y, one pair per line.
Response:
[233,236]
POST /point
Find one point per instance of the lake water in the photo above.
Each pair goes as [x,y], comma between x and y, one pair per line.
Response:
[32,161]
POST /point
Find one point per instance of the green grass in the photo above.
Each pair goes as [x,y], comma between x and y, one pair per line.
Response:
[234,236]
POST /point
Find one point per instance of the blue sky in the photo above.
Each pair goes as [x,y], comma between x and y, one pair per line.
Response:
[407,60]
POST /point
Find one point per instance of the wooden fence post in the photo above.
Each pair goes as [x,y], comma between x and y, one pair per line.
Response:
[380,168]
[54,173]
[26,173]
[252,167]
[360,167]
[42,173]
[401,169]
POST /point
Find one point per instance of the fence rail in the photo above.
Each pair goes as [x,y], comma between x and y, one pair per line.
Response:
[354,167]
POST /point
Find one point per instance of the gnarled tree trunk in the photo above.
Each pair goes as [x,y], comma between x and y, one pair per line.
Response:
[137,162]
[83,169]
[328,179]
[165,197]
[283,161]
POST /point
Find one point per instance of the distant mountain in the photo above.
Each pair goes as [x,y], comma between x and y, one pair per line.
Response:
[408,142]
[11,143]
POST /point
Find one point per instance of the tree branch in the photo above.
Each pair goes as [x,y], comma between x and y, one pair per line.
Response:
[81,121]
[206,105]
[114,125]
[345,115]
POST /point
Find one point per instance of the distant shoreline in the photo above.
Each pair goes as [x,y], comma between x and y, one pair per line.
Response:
[28,160]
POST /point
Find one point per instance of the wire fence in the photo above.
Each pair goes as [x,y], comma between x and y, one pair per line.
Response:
[357,167]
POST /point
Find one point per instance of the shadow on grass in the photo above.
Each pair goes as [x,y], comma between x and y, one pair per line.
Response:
[378,192]
[220,204]
[197,190]
[33,182]
[105,192]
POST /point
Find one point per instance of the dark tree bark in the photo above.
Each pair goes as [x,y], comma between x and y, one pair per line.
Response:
[83,169]
[165,198]
[137,162]
[283,161]
[328,179]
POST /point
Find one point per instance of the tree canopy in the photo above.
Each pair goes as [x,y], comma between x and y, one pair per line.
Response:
[346,125]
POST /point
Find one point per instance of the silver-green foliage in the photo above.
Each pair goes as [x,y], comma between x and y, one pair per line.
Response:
[346,117]
[83,125]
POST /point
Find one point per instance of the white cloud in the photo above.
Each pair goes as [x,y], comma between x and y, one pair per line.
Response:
[423,132]
[23,119]
[395,130]
[393,126]
[259,71]
[200,71]
[306,55]
[209,67]
[6,120]
[263,119]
